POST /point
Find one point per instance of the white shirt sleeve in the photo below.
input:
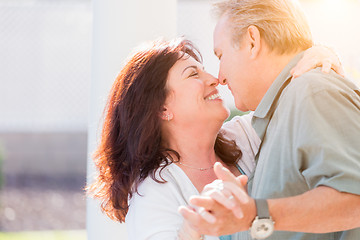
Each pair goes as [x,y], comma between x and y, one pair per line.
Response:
[153,214]
[241,131]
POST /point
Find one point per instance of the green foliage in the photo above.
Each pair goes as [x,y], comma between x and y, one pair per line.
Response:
[235,112]
[44,235]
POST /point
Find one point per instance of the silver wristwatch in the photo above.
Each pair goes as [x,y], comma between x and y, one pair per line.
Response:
[263,225]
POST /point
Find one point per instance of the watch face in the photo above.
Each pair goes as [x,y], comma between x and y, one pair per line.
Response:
[262,228]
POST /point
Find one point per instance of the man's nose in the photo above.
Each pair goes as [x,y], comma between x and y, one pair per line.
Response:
[222,80]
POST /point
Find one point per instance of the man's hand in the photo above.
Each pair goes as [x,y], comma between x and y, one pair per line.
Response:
[224,206]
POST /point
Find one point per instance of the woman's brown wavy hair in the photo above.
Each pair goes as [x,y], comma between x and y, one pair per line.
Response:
[131,146]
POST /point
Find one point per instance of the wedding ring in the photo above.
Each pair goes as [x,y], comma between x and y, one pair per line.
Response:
[202,211]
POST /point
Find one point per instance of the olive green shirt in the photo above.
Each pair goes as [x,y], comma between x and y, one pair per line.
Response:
[310,132]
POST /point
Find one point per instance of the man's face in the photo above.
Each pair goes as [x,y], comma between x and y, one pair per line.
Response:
[236,68]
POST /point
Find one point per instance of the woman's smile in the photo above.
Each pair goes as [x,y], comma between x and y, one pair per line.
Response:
[214,95]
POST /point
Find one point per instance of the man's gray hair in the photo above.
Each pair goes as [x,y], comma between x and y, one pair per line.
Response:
[282,23]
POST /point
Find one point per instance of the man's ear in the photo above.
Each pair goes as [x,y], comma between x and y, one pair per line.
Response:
[166,114]
[253,38]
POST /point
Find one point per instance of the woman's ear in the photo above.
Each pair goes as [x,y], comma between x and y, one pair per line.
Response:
[166,114]
[254,41]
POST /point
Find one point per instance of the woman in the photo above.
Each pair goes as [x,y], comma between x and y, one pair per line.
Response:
[161,138]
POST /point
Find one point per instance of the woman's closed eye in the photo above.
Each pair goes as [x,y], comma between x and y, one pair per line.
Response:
[194,74]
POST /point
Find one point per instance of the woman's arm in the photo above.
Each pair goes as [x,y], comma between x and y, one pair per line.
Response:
[318,56]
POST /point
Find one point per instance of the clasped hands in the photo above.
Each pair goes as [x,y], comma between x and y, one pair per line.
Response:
[223,208]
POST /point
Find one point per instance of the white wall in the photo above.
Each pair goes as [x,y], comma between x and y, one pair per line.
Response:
[45,65]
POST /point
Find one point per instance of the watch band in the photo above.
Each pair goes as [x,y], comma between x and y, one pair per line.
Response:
[263,225]
[262,208]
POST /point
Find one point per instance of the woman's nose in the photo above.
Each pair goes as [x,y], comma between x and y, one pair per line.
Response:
[212,81]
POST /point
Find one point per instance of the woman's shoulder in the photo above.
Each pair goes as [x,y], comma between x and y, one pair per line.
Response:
[243,121]
[240,130]
[168,185]
[153,208]
[160,181]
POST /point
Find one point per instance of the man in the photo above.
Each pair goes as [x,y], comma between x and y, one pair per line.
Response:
[308,165]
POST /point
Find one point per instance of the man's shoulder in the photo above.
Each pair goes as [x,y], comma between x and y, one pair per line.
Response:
[316,81]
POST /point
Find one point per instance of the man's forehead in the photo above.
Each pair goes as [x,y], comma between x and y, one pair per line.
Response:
[219,32]
[222,23]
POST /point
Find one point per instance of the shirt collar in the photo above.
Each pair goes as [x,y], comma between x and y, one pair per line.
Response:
[269,102]
[276,88]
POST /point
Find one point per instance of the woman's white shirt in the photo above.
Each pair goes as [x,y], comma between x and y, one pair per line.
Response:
[240,130]
[153,212]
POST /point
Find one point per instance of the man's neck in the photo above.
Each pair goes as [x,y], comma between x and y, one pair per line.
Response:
[271,67]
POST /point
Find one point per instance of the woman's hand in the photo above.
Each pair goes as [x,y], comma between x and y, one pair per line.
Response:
[318,56]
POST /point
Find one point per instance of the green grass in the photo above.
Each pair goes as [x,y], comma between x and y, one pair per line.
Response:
[44,235]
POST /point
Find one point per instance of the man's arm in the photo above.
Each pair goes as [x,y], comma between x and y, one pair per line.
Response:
[320,210]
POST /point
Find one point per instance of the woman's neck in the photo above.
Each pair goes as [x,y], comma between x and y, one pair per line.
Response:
[197,155]
[194,144]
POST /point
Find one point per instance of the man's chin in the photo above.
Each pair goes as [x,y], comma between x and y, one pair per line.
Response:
[242,107]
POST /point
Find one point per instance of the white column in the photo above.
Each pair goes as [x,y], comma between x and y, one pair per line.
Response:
[118,26]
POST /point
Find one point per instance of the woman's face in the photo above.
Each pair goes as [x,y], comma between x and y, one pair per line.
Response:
[192,93]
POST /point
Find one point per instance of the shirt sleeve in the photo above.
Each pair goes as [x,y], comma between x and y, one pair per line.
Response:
[153,215]
[153,212]
[328,143]
[241,131]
